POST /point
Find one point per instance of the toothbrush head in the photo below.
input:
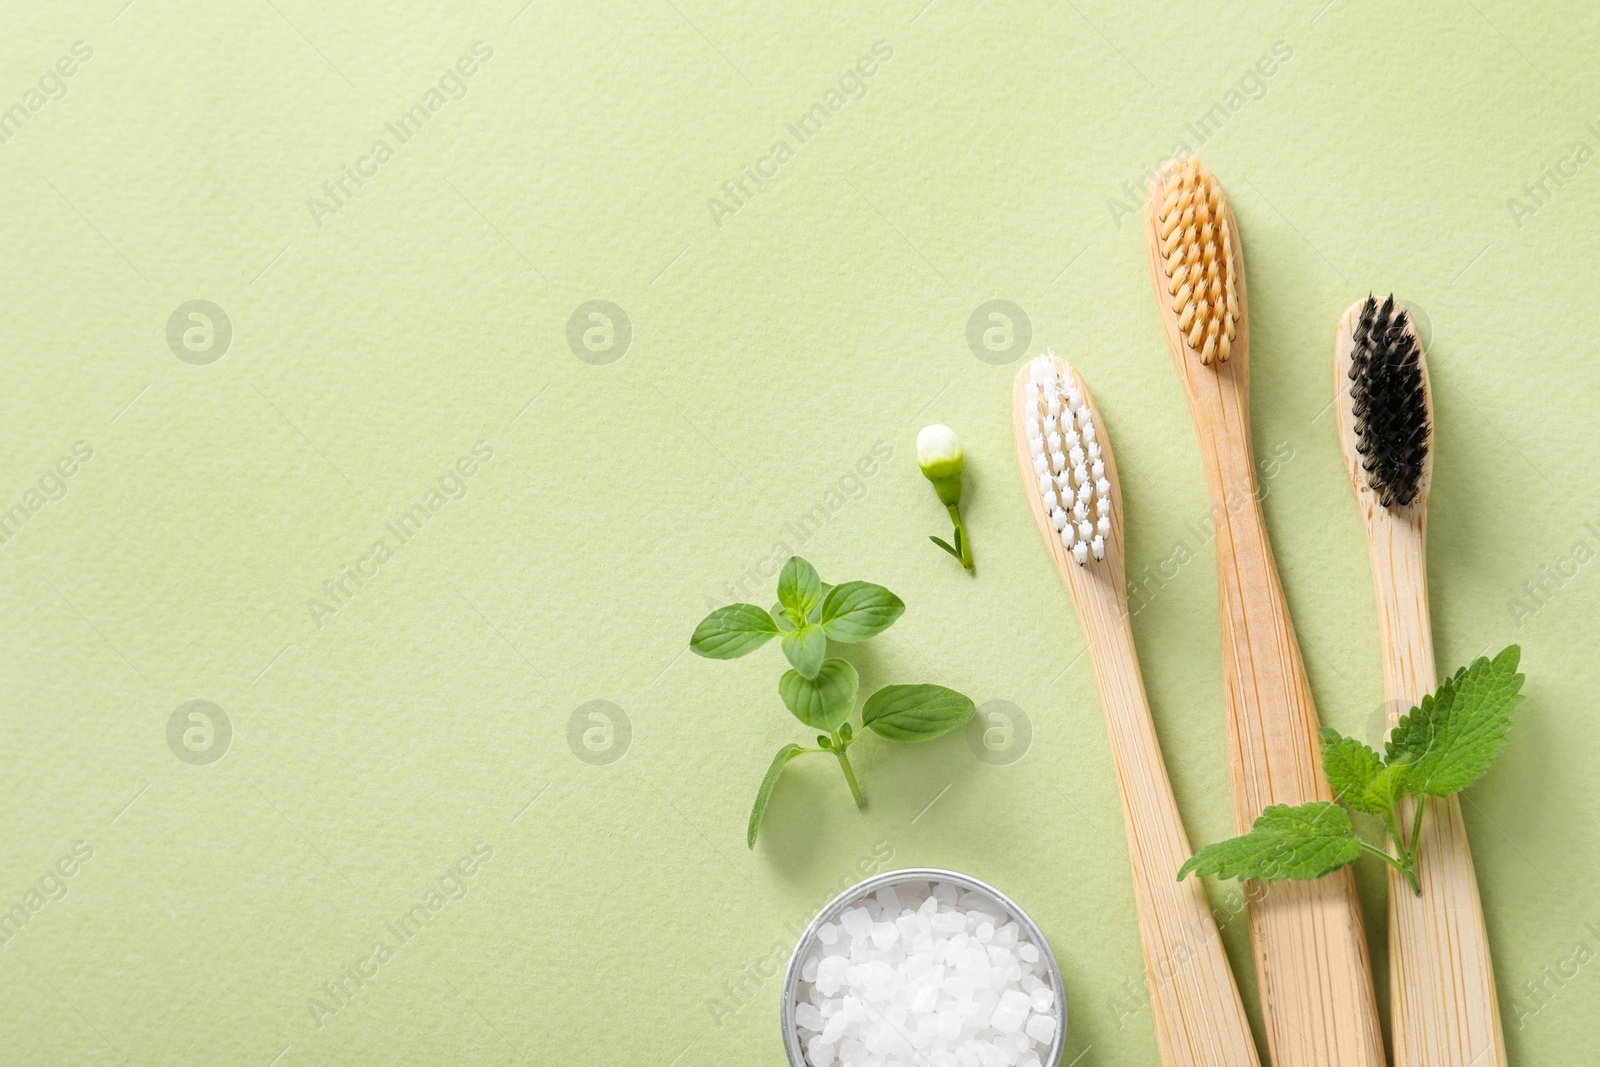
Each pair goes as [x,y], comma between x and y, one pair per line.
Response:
[1066,460]
[1194,257]
[1389,416]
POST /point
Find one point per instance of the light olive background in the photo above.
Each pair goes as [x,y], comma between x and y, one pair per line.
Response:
[781,345]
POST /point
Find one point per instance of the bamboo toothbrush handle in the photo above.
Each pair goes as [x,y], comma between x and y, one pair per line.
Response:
[1311,952]
[1199,1018]
[1443,1008]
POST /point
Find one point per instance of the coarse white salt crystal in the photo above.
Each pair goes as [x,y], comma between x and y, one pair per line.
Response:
[1011,1012]
[927,974]
[1042,1028]
[857,923]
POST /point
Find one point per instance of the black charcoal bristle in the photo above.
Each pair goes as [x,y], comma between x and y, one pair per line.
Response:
[1389,402]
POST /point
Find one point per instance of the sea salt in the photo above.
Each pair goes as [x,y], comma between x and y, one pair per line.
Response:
[927,975]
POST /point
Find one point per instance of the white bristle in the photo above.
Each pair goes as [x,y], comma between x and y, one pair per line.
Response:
[1068,459]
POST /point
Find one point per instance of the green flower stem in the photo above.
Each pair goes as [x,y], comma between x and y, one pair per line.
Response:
[966,542]
[839,745]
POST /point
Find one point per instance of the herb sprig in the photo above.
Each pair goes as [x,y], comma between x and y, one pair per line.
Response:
[1442,746]
[821,691]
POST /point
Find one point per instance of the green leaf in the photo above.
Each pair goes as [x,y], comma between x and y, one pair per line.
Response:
[780,614]
[1383,792]
[915,712]
[799,588]
[1304,841]
[957,532]
[942,543]
[805,648]
[1351,768]
[822,703]
[764,794]
[733,631]
[855,611]
[1453,737]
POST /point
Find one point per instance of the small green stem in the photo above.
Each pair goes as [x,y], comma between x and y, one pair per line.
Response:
[966,542]
[849,772]
[1390,860]
[1416,826]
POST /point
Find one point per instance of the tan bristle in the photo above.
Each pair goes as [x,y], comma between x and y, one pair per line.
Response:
[1197,248]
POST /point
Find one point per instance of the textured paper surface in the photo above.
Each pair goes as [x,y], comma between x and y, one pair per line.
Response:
[780,342]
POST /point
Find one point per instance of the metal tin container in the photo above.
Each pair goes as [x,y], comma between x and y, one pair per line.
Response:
[863,889]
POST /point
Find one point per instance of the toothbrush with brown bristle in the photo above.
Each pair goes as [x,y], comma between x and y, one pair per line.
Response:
[1312,968]
[1443,1011]
[1070,477]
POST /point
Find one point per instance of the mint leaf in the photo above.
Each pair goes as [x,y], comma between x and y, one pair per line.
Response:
[1351,768]
[1454,735]
[799,588]
[822,703]
[855,611]
[1304,841]
[805,648]
[780,614]
[1383,792]
[733,631]
[915,712]
[764,794]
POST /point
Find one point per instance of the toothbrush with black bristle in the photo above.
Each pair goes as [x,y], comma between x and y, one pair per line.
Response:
[1312,967]
[1443,1009]
[1070,478]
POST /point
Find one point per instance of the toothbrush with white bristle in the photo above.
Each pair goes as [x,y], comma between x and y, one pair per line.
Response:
[1070,478]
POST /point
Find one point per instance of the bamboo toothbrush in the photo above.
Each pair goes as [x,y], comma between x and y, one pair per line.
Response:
[1312,969]
[1070,477]
[1443,1011]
